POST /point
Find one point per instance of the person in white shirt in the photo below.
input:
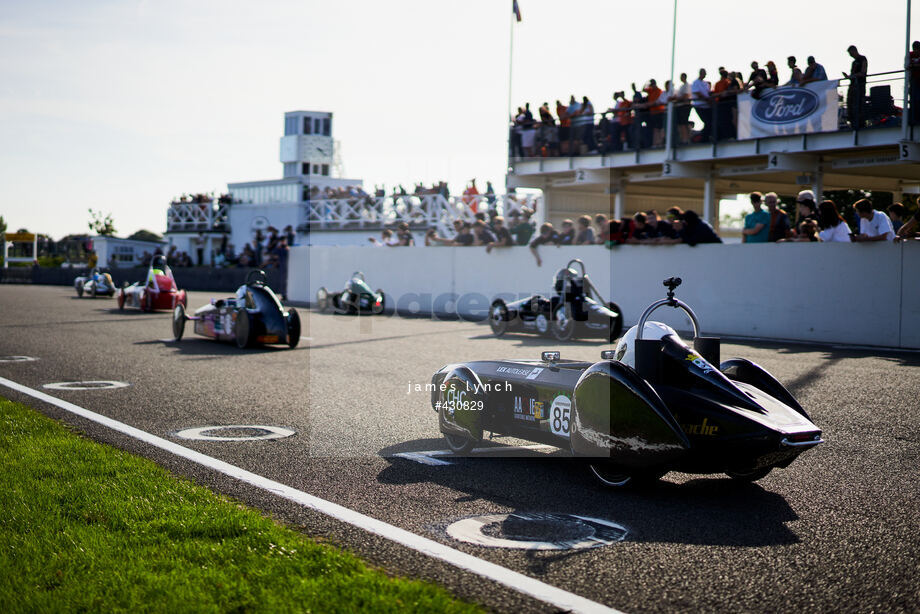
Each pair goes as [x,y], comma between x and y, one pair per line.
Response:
[701,94]
[873,225]
[681,100]
[833,227]
[386,239]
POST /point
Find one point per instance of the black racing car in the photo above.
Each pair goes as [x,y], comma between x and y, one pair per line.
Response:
[356,298]
[576,309]
[653,405]
[253,316]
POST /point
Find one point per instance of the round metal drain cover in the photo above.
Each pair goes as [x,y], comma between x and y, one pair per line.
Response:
[17,359]
[537,531]
[235,432]
[86,385]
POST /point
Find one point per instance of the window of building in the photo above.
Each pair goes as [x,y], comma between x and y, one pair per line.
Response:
[327,126]
[306,125]
[316,125]
[325,170]
[290,126]
[306,168]
[316,169]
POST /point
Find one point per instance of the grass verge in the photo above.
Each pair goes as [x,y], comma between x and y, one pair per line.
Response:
[85,527]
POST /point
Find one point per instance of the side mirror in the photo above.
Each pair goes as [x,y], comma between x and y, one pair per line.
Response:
[550,357]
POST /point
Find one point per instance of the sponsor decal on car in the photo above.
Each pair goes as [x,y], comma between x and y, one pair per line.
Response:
[528,409]
[698,362]
[535,373]
[703,428]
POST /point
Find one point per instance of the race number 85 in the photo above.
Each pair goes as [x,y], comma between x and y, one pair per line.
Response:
[560,416]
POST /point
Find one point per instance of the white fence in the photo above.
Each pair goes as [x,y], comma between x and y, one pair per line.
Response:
[864,294]
[197,217]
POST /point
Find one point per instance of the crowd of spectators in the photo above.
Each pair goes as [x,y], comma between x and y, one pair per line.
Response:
[638,120]
[822,222]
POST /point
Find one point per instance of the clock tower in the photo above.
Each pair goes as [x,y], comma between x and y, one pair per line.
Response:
[307,148]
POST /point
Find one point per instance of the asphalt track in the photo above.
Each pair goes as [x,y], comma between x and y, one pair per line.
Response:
[836,531]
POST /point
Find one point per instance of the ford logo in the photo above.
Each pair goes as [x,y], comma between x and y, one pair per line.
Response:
[785,105]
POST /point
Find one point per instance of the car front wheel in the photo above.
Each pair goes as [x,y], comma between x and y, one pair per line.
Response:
[459,444]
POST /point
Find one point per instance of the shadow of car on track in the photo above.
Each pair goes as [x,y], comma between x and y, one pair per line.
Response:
[208,348]
[712,511]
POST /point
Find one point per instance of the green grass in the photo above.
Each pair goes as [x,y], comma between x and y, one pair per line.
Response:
[85,527]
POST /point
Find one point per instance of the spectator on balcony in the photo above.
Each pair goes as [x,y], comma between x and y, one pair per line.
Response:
[521,226]
[757,223]
[574,112]
[471,196]
[702,103]
[584,234]
[813,72]
[565,127]
[856,92]
[682,107]
[833,228]
[662,227]
[808,231]
[528,132]
[567,232]
[603,228]
[620,129]
[463,238]
[404,238]
[618,232]
[503,236]
[896,215]
[721,105]
[656,109]
[490,197]
[914,63]
[386,239]
[779,220]
[692,230]
[290,235]
[757,78]
[772,75]
[199,247]
[641,130]
[795,77]
[482,234]
[548,133]
[583,123]
[643,232]
[807,209]
[873,225]
[910,229]
[548,236]
[247,258]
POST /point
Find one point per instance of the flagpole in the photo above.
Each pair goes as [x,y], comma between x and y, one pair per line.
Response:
[905,113]
[669,137]
[510,69]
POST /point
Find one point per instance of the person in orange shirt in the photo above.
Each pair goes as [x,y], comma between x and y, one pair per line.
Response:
[723,100]
[620,128]
[565,127]
[471,197]
[656,112]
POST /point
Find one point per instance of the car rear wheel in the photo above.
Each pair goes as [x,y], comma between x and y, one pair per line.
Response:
[498,318]
[243,329]
[80,289]
[293,328]
[178,322]
[563,324]
[749,476]
[322,299]
[459,444]
[616,324]
[121,300]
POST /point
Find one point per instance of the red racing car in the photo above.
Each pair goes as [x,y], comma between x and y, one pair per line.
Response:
[159,292]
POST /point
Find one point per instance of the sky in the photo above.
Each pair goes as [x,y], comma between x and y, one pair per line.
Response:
[121,106]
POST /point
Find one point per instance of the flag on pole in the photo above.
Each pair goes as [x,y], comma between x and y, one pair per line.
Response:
[516,9]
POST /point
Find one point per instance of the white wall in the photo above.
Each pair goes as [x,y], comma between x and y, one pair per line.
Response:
[865,294]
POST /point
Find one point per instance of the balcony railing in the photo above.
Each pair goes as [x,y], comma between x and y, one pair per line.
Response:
[198,217]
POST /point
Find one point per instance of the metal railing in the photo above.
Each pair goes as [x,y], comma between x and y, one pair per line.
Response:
[198,217]
[427,210]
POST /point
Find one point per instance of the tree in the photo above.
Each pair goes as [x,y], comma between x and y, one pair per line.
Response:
[101,224]
[145,235]
[2,225]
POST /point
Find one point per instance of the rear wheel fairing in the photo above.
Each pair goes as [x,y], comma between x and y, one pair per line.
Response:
[618,415]
[461,404]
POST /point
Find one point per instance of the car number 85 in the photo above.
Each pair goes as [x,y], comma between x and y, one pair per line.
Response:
[560,416]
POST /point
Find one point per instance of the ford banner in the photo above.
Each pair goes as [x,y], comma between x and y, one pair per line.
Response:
[789,110]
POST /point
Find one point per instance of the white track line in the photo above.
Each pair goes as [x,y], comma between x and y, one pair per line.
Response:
[430,457]
[557,597]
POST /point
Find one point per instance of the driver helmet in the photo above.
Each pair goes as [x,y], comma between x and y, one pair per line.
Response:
[626,348]
[559,279]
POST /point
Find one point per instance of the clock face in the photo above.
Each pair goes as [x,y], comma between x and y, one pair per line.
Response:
[317,148]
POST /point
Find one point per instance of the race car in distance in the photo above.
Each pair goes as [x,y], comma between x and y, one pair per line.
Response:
[575,310]
[356,298]
[253,316]
[158,292]
[94,284]
[653,405]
